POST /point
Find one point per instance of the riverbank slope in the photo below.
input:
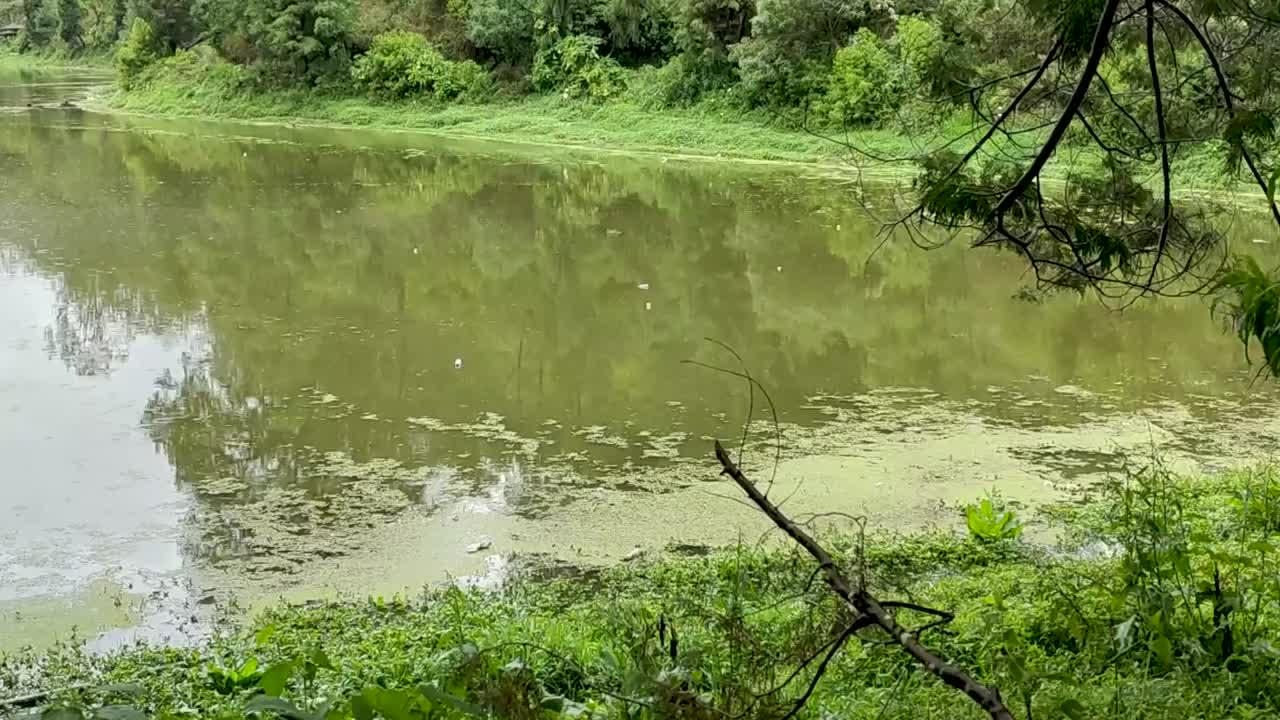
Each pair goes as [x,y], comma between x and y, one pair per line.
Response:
[1175,617]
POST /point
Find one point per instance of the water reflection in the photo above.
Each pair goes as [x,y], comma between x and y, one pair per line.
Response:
[357,332]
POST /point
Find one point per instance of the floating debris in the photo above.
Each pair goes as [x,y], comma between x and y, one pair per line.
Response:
[480,546]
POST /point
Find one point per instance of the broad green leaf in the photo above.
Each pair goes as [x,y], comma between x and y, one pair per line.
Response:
[276,678]
[437,695]
[264,635]
[61,713]
[1072,709]
[320,659]
[1163,649]
[269,704]
[1019,671]
[394,704]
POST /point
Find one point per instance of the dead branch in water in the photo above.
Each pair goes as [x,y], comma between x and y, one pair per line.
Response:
[871,612]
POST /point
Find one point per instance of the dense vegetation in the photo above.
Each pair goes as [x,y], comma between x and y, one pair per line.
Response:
[1160,601]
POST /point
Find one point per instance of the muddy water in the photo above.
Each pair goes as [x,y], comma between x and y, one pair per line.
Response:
[245,362]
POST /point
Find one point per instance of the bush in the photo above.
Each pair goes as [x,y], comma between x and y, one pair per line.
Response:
[785,61]
[308,40]
[403,64]
[920,49]
[137,53]
[864,81]
[41,24]
[505,28]
[172,23]
[574,66]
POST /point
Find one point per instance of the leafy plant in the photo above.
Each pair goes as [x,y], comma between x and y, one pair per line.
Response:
[137,53]
[402,65]
[863,86]
[988,523]
[574,67]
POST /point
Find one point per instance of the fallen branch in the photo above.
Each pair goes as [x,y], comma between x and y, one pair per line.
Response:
[866,605]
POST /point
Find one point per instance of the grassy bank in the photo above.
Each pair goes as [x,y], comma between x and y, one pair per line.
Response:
[621,125]
[51,59]
[1161,601]
[192,86]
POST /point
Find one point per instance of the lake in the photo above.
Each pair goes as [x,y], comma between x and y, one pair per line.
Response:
[241,363]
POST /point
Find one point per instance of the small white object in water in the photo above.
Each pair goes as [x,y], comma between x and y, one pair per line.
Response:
[415,251]
[457,363]
[643,286]
[634,555]
[482,545]
[779,268]
[648,306]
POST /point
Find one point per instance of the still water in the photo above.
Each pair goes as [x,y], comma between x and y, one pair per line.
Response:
[245,362]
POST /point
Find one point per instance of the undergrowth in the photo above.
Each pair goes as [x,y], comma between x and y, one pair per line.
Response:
[1161,600]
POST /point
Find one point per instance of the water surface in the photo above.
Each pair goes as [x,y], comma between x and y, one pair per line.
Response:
[251,362]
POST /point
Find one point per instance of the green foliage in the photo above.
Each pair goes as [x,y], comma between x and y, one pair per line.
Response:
[704,32]
[136,53]
[1175,617]
[69,28]
[920,47]
[172,22]
[573,66]
[1250,298]
[402,65]
[988,523]
[785,60]
[639,31]
[306,41]
[864,81]
[505,28]
[40,24]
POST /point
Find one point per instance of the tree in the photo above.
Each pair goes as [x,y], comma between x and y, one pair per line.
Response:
[41,24]
[310,39]
[69,28]
[119,10]
[788,55]
[172,22]
[1192,86]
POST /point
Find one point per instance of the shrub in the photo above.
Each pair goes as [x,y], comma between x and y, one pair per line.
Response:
[69,28]
[864,81]
[574,66]
[308,40]
[505,28]
[136,53]
[172,24]
[785,60]
[639,31]
[920,48]
[41,24]
[403,64]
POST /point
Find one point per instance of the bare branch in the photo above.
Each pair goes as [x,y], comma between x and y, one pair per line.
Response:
[864,602]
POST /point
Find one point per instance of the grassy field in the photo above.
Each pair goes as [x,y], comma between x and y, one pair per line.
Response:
[1159,601]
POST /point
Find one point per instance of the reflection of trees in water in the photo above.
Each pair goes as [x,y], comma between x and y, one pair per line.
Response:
[364,274]
[91,331]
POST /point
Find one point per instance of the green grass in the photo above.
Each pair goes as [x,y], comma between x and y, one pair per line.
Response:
[52,59]
[717,129]
[1114,622]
